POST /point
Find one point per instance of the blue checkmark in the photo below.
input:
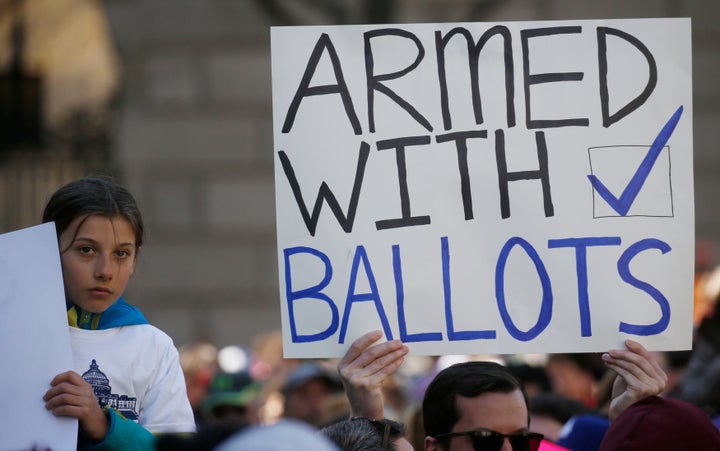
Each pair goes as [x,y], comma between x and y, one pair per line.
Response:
[623,204]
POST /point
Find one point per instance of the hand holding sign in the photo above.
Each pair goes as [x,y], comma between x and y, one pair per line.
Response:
[71,396]
[363,370]
[639,375]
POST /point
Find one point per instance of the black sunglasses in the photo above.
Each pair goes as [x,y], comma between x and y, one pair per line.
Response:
[385,427]
[483,440]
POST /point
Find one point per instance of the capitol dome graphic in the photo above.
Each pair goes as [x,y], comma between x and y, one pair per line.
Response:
[123,404]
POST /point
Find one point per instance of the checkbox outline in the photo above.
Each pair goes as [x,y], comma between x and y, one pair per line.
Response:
[627,198]
[670,185]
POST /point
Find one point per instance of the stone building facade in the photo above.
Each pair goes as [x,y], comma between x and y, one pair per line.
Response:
[194,139]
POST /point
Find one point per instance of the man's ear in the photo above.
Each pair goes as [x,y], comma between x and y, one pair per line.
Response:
[431,444]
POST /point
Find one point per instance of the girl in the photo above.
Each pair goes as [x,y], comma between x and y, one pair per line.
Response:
[127,383]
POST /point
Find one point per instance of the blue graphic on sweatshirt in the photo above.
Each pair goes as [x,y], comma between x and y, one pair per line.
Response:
[101,385]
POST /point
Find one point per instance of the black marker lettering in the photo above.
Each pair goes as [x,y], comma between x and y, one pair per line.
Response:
[473,60]
[324,193]
[504,177]
[305,90]
[534,79]
[634,104]
[407,219]
[460,139]
[374,82]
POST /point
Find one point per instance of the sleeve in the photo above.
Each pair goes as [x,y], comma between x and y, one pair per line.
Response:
[124,434]
[166,408]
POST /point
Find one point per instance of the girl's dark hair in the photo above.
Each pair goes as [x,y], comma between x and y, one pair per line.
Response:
[93,196]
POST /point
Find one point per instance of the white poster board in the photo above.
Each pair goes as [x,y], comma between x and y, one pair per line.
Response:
[34,340]
[474,188]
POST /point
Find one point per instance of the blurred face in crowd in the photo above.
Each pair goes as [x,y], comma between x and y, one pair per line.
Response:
[505,413]
[307,402]
[402,444]
[546,425]
[569,380]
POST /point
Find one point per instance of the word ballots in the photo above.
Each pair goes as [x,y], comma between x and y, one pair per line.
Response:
[580,245]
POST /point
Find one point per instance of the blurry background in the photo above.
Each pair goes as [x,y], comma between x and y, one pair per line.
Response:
[173,98]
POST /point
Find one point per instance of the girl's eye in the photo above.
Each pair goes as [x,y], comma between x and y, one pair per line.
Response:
[86,250]
[122,254]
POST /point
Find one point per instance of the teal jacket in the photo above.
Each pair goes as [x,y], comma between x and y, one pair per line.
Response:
[123,434]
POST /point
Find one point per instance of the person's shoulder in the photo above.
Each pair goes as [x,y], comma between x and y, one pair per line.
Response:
[149,334]
[150,329]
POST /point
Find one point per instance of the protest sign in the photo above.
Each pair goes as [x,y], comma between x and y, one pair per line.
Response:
[34,340]
[478,188]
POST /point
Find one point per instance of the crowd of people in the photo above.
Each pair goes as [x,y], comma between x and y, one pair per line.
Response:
[376,397]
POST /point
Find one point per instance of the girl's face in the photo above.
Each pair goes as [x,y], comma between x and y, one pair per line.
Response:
[98,256]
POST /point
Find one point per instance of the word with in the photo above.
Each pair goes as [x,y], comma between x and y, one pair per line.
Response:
[400,146]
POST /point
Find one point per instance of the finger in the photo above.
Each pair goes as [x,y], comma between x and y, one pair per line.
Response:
[643,362]
[72,398]
[642,371]
[386,364]
[79,411]
[379,352]
[65,410]
[624,375]
[619,384]
[637,355]
[359,345]
[633,350]
[68,376]
[637,380]
[59,400]
[371,381]
[373,355]
[63,388]
[636,347]
[376,380]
